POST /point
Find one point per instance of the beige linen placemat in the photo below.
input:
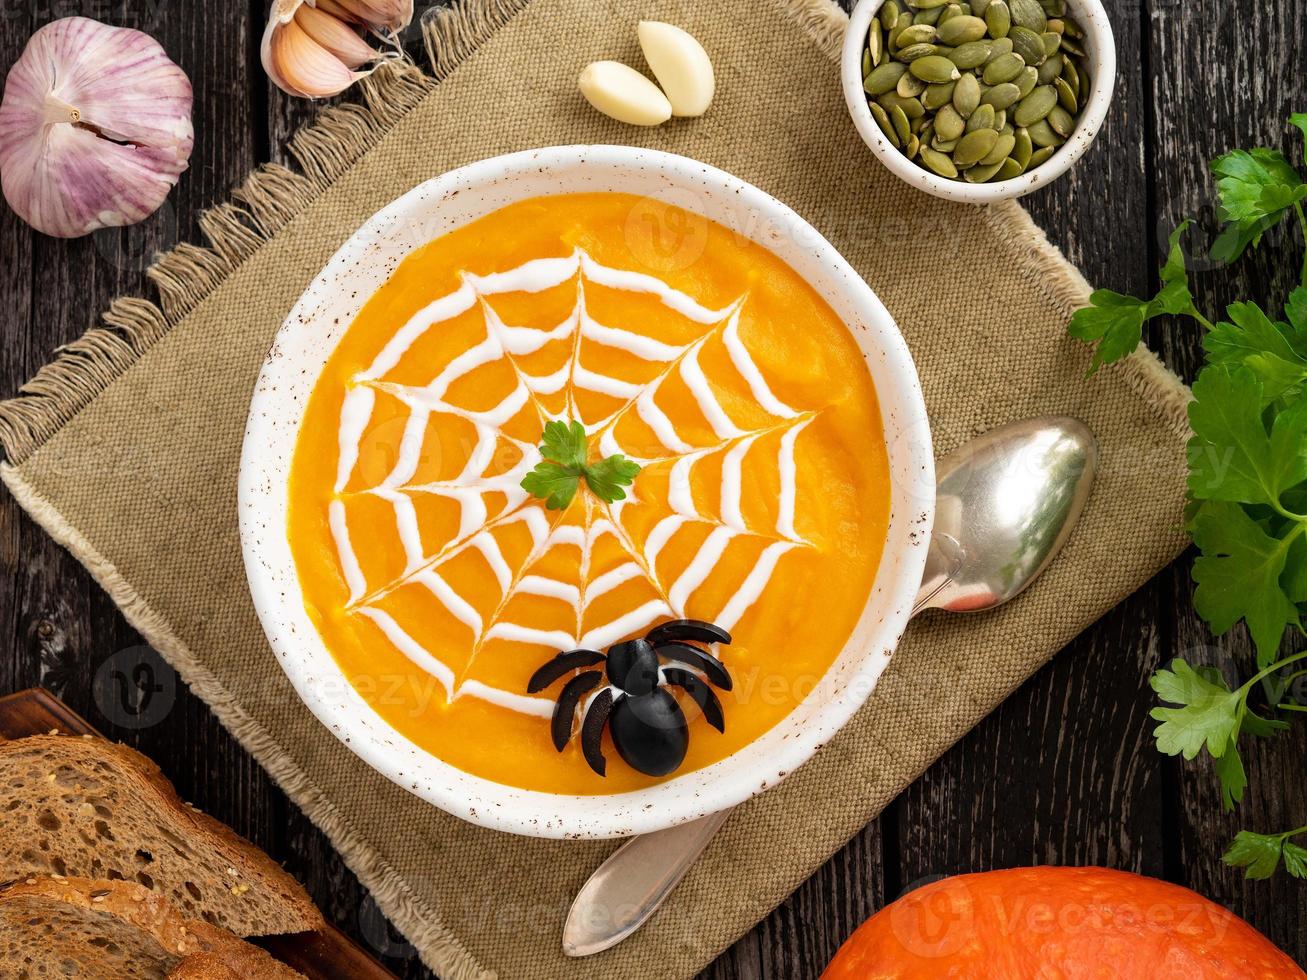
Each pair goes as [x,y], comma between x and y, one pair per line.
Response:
[125,449]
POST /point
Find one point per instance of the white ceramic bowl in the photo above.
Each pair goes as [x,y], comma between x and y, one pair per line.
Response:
[1100,48]
[329,305]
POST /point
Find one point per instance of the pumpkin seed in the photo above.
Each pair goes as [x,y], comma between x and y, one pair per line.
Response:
[973,147]
[1050,69]
[944,146]
[998,18]
[972,54]
[912,108]
[1071,76]
[912,146]
[949,12]
[1035,106]
[1029,45]
[1002,147]
[1000,119]
[884,77]
[910,87]
[982,118]
[1029,14]
[875,48]
[938,162]
[934,68]
[1003,69]
[1027,81]
[961,29]
[1065,97]
[1073,46]
[1000,47]
[900,121]
[1052,42]
[949,124]
[927,132]
[916,34]
[1040,157]
[930,17]
[892,34]
[1073,29]
[915,51]
[1056,25]
[980,174]
[966,95]
[886,127]
[978,7]
[1008,169]
[1023,147]
[1061,121]
[1042,135]
[930,4]
[938,94]
[1002,95]
[889,14]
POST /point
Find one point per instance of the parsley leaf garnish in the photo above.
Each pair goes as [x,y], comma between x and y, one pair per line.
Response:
[565,464]
[1260,854]
[1257,188]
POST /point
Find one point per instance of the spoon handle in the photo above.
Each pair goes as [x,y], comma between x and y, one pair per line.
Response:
[636,878]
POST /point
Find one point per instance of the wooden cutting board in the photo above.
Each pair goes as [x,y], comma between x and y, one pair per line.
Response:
[327,954]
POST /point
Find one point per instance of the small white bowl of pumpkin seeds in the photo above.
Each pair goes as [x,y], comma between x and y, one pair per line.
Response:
[978,100]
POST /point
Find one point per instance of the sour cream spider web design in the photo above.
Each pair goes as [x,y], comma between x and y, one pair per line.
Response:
[484,564]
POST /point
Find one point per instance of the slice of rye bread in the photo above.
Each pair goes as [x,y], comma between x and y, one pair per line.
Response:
[77,927]
[84,806]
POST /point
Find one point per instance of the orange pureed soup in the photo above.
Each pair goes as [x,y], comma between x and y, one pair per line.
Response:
[440,585]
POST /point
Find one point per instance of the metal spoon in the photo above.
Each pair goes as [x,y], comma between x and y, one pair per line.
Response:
[1005,503]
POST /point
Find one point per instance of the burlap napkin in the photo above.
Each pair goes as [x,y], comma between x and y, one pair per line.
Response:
[125,449]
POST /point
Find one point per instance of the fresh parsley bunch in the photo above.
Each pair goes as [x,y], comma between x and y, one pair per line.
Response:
[566,463]
[1247,485]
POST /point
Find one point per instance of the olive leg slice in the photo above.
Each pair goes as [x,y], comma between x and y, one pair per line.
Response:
[560,665]
[699,659]
[687,629]
[703,695]
[561,725]
[592,729]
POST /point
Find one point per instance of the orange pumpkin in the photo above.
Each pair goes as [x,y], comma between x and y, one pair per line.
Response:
[1057,924]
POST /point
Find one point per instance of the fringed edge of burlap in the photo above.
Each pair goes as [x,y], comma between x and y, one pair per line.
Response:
[186,275]
[1060,281]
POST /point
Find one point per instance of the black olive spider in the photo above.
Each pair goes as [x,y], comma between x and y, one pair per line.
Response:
[647,725]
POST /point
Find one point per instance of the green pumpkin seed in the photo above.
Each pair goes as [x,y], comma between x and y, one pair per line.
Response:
[900,121]
[1042,135]
[1061,121]
[949,12]
[949,124]
[914,51]
[1050,69]
[944,146]
[982,118]
[1073,29]
[1028,14]
[1071,76]
[892,34]
[916,34]
[1027,81]
[1029,45]
[875,49]
[1065,97]
[1000,119]
[912,108]
[1002,147]
[1052,42]
[930,4]
[962,29]
[998,18]
[973,54]
[866,65]
[1056,24]
[939,94]
[938,162]
[1003,69]
[934,68]
[910,87]
[1001,96]
[1023,147]
[930,17]
[886,127]
[911,147]
[980,174]
[1035,106]
[999,47]
[1040,157]
[966,95]
[1009,169]
[978,7]
[973,147]
[889,14]
[1073,47]
[884,77]
[927,132]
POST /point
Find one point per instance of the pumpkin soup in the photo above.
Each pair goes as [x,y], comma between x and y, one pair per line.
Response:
[761,503]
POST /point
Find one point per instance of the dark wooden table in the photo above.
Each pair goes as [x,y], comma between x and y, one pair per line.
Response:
[1064,772]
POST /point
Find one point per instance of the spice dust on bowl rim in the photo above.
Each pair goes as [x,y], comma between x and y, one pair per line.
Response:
[610,210]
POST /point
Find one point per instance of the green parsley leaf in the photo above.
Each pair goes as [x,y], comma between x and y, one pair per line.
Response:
[1299,119]
[565,464]
[1238,576]
[1276,353]
[1259,854]
[1257,189]
[1295,859]
[1208,713]
[1232,777]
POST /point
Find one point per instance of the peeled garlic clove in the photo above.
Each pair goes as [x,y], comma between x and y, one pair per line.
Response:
[95,128]
[681,66]
[336,36]
[302,66]
[620,91]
